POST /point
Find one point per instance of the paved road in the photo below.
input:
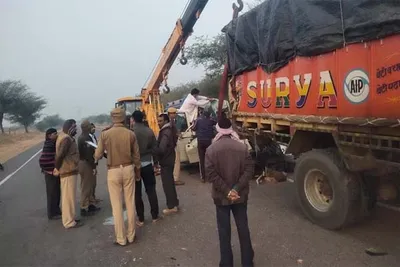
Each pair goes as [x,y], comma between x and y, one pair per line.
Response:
[281,235]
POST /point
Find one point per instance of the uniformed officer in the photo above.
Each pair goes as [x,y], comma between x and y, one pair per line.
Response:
[123,163]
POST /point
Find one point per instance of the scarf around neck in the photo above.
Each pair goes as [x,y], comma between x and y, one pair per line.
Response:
[226,132]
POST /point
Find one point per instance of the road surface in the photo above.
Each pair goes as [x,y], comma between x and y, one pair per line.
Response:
[281,235]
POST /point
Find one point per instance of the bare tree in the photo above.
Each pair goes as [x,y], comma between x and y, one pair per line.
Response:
[209,53]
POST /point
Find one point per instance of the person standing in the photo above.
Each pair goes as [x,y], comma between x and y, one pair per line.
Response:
[191,103]
[92,133]
[172,114]
[165,154]
[94,140]
[87,170]
[204,128]
[66,166]
[123,163]
[47,165]
[229,167]
[147,143]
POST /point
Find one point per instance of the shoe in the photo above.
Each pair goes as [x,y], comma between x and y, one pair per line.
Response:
[77,224]
[179,182]
[118,244]
[86,213]
[202,180]
[157,219]
[139,223]
[170,211]
[131,242]
[55,217]
[93,208]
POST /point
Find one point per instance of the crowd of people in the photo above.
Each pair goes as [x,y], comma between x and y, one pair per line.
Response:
[132,154]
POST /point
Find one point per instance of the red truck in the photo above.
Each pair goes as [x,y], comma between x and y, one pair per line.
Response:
[322,77]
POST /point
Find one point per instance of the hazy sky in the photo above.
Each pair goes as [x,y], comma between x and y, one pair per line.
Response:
[82,55]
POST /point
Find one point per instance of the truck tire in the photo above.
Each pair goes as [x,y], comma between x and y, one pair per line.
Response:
[329,195]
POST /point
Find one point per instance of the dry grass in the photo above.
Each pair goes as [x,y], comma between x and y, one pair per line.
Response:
[16,142]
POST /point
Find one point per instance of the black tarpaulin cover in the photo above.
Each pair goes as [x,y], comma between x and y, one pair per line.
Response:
[278,30]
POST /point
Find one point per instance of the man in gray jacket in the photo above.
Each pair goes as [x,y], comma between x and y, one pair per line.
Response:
[229,167]
[147,143]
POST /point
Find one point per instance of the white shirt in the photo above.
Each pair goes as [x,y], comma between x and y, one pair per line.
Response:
[93,139]
[190,106]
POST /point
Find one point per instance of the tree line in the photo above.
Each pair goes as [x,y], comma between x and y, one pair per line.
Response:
[56,121]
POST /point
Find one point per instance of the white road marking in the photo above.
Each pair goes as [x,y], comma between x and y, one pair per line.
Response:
[110,220]
[23,165]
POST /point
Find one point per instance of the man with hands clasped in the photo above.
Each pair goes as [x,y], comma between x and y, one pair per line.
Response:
[229,167]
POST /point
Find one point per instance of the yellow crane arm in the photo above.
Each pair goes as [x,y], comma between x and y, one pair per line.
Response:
[175,44]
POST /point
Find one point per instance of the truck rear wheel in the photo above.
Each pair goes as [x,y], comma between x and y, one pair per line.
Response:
[329,195]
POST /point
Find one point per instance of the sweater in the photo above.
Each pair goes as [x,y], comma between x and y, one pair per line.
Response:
[48,156]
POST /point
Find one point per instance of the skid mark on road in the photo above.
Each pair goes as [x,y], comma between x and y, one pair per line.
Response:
[17,170]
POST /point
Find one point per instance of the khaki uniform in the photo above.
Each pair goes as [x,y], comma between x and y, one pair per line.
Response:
[123,162]
[68,178]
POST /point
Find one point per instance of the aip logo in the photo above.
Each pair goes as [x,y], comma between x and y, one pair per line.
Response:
[356,86]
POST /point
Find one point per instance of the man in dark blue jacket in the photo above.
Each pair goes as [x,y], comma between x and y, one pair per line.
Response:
[204,128]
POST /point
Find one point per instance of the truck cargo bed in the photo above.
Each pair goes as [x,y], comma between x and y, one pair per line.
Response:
[357,85]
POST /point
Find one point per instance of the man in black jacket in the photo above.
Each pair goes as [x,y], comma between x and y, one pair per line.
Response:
[87,170]
[165,153]
[47,164]
[147,143]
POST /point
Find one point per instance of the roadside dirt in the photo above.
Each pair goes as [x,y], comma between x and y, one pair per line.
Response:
[14,143]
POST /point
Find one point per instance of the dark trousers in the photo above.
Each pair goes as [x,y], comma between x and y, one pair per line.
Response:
[224,230]
[53,191]
[202,146]
[167,178]
[149,181]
